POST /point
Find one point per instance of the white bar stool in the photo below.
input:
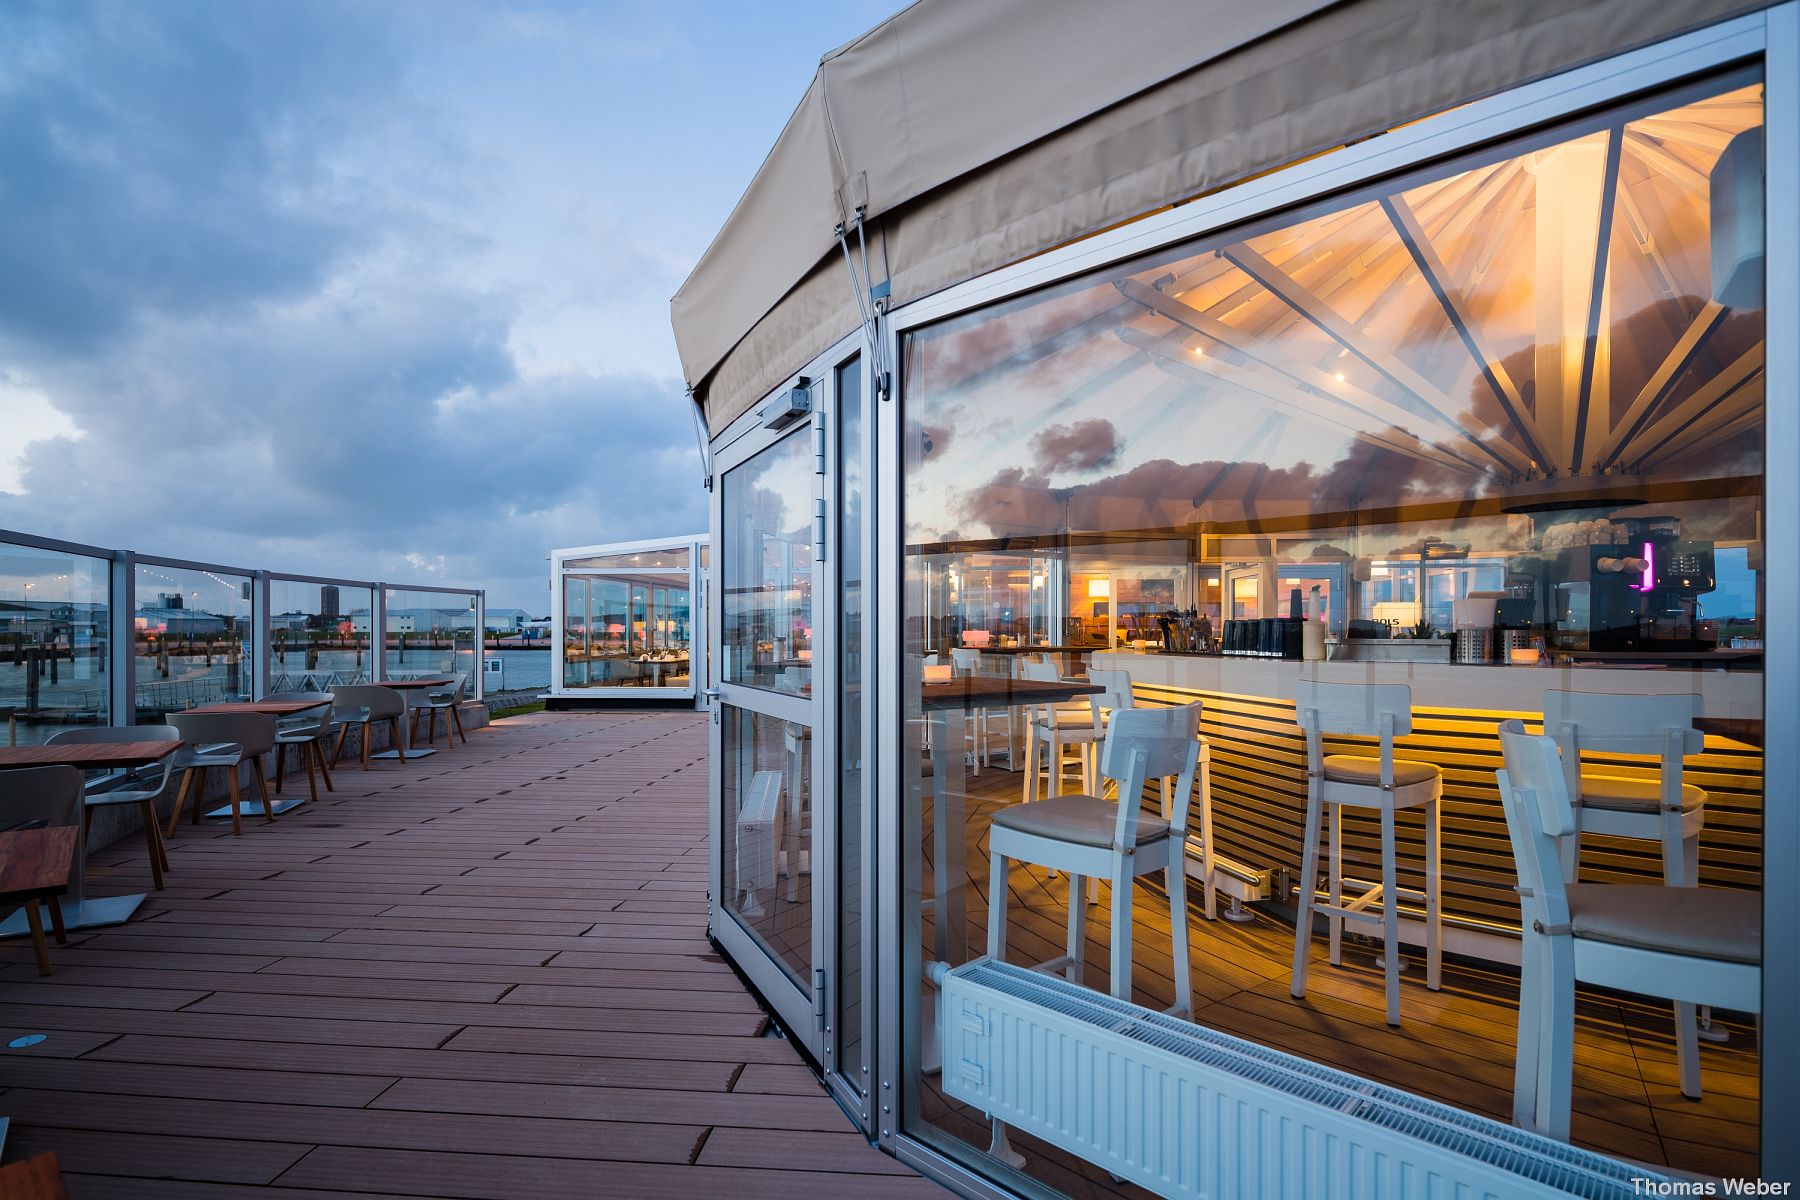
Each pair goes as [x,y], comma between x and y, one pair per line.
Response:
[1059,728]
[1385,784]
[1668,809]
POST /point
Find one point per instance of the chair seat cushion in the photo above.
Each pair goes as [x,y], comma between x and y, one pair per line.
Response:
[1366,772]
[1717,923]
[1083,820]
[1067,722]
[1633,795]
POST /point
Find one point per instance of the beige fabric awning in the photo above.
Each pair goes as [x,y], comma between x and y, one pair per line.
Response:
[979,134]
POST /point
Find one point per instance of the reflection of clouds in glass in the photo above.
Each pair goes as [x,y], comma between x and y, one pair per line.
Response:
[1080,446]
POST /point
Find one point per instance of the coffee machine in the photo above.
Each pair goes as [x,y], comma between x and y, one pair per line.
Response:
[1634,585]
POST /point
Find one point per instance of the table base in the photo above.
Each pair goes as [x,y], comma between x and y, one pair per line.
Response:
[254,808]
[91,913]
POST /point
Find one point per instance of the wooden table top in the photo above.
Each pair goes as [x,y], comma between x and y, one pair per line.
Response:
[408,685]
[1748,730]
[36,862]
[992,691]
[268,708]
[90,756]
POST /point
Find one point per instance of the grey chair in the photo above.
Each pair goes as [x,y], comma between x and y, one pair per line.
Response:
[309,731]
[51,795]
[222,740]
[361,705]
[449,703]
[139,788]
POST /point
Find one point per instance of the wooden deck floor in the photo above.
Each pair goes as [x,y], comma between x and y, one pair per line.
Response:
[484,974]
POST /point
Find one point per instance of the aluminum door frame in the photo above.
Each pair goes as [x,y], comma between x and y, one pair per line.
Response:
[803,1013]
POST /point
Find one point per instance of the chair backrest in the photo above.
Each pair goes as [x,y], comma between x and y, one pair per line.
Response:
[965,658]
[1118,693]
[1357,710]
[380,701]
[1040,670]
[48,794]
[1538,811]
[1655,725]
[252,732]
[1662,726]
[1151,743]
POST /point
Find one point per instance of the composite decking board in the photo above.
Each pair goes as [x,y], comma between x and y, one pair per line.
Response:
[487,1175]
[605,1019]
[288,980]
[286,985]
[226,1160]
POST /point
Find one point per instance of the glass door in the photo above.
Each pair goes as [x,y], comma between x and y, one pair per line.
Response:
[773,841]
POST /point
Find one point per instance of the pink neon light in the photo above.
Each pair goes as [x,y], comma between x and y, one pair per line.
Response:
[1649,568]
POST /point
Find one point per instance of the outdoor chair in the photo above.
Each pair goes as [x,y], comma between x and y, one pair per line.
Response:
[449,703]
[309,731]
[136,787]
[47,797]
[222,740]
[1693,945]
[361,705]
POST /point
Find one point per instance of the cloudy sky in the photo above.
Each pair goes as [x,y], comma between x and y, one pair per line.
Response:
[369,289]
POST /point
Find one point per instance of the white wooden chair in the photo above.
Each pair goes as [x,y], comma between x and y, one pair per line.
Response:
[1085,836]
[1069,725]
[1385,784]
[1692,945]
[1668,809]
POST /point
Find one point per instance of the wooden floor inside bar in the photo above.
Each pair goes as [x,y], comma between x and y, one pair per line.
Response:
[1454,1045]
[481,974]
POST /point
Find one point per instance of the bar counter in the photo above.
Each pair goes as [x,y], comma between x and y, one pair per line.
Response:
[1259,772]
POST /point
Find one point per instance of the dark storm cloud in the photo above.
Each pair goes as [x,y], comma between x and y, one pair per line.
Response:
[243,250]
[1081,446]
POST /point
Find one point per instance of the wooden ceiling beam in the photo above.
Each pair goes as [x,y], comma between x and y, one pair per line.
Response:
[1432,402]
[1656,388]
[1456,310]
[1696,407]
[1255,386]
[1311,382]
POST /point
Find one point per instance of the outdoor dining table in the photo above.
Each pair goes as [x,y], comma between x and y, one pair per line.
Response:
[81,912]
[268,708]
[406,687]
[949,816]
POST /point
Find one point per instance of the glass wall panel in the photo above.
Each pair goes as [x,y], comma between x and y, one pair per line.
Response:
[767,568]
[194,642]
[851,697]
[318,635]
[1493,429]
[766,837]
[55,627]
[629,628]
[431,634]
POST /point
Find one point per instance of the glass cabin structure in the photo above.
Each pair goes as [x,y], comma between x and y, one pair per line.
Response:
[623,620]
[1387,345]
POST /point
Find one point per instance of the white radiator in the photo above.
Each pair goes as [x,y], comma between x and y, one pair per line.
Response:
[1186,1111]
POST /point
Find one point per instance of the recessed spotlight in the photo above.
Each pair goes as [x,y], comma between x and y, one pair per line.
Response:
[1339,377]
